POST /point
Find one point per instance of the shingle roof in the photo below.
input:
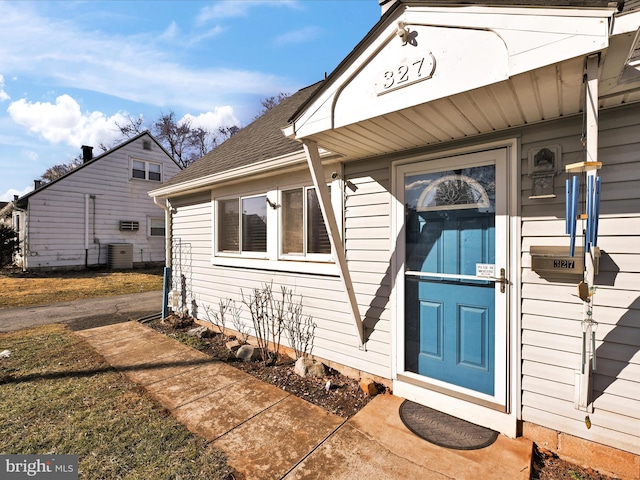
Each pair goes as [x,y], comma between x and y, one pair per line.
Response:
[22,201]
[261,140]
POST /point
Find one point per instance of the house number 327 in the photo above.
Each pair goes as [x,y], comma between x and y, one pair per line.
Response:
[405,74]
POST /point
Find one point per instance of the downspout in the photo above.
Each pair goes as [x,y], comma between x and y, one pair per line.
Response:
[337,246]
[168,234]
[86,230]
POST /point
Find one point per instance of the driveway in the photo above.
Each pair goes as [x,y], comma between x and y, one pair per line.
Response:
[83,314]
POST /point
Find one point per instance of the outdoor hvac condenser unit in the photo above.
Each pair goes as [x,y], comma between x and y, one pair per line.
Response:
[120,256]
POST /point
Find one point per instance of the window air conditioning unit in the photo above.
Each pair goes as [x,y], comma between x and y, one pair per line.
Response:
[129,225]
[120,256]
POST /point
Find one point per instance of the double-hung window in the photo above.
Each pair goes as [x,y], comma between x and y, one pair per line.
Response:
[303,228]
[276,229]
[145,170]
[242,224]
[156,227]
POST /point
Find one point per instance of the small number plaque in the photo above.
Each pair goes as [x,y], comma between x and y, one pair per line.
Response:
[564,264]
[405,74]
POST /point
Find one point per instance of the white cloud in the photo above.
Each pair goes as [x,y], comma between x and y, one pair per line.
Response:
[171,31]
[63,122]
[30,155]
[63,53]
[211,121]
[235,8]
[298,36]
[3,95]
[8,195]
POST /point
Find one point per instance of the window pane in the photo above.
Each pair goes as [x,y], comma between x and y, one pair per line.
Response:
[138,170]
[154,172]
[254,224]
[228,232]
[157,227]
[317,238]
[292,222]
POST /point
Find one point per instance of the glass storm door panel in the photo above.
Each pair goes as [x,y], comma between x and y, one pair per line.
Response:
[450,314]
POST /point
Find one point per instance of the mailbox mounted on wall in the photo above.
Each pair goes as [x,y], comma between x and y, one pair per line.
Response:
[556,261]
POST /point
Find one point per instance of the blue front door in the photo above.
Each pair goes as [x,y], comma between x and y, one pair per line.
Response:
[450,252]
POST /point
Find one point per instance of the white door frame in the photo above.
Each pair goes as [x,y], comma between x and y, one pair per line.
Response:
[500,411]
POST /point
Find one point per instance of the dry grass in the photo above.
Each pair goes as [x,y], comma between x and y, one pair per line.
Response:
[22,290]
[59,397]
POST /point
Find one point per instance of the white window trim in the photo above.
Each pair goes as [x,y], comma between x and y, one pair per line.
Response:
[240,254]
[320,264]
[146,170]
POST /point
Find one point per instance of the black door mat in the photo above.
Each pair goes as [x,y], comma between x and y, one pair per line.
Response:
[444,430]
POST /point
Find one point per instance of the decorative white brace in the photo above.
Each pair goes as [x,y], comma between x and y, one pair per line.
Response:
[317,175]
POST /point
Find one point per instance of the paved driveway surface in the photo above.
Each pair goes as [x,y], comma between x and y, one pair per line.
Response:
[83,314]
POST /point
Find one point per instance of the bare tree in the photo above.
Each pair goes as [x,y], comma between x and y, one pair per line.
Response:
[270,102]
[183,141]
[57,171]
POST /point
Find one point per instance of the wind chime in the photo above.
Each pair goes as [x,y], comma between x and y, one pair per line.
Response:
[593,185]
[586,289]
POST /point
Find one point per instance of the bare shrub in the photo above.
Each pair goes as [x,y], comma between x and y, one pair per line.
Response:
[300,328]
[271,316]
[267,314]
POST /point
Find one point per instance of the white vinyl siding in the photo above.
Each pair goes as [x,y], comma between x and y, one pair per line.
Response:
[323,296]
[57,214]
[551,311]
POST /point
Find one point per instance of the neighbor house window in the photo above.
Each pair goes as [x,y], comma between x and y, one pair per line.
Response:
[242,224]
[146,170]
[303,227]
[156,227]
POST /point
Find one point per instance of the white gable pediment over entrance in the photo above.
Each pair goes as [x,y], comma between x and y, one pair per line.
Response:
[421,54]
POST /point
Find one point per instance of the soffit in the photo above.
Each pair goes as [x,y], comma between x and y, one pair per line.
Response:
[488,72]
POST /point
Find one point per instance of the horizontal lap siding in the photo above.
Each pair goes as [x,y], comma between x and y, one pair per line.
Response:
[323,297]
[56,226]
[367,219]
[551,312]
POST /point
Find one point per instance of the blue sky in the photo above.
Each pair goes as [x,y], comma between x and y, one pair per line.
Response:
[69,70]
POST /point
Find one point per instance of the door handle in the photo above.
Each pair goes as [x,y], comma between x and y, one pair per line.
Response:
[502,280]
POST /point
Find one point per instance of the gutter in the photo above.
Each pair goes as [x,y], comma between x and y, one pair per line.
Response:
[255,170]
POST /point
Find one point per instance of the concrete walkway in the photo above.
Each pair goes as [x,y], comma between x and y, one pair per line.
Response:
[81,314]
[268,433]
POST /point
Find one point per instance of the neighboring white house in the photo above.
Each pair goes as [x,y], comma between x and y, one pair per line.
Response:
[443,265]
[99,214]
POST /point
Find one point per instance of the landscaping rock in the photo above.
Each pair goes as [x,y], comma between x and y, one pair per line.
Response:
[200,332]
[368,386]
[248,353]
[233,346]
[308,367]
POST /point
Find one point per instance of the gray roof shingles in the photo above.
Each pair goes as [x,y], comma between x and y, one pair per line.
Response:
[261,140]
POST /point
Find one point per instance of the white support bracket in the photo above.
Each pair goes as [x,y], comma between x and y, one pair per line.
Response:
[324,197]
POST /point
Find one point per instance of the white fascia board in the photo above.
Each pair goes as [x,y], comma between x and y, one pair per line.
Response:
[261,168]
[626,23]
[253,169]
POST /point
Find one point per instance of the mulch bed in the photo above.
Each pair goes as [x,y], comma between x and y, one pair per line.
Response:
[344,396]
